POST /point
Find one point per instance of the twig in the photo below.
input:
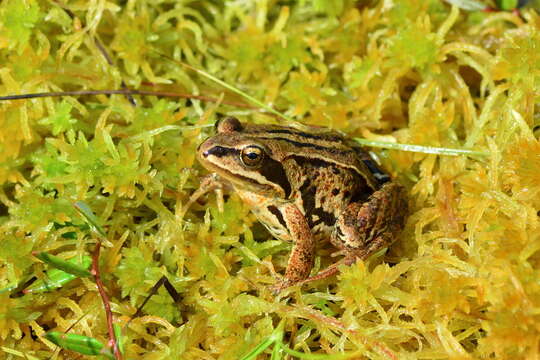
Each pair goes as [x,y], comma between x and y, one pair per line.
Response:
[163,281]
[122,92]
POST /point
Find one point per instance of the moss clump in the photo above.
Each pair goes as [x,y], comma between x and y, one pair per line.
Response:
[461,282]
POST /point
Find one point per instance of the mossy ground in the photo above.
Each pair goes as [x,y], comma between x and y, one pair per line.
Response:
[462,281]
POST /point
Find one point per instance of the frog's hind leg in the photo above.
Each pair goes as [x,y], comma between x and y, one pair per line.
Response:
[361,226]
[364,228]
[350,258]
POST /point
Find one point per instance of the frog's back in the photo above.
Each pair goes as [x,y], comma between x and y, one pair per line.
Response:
[319,144]
[325,170]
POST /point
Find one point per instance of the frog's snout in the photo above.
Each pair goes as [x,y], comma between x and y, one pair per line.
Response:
[201,151]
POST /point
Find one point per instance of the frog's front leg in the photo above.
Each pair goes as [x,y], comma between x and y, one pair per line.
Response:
[210,182]
[364,228]
[301,259]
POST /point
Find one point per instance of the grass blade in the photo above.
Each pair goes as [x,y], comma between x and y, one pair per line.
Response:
[78,343]
[420,148]
[67,266]
[89,216]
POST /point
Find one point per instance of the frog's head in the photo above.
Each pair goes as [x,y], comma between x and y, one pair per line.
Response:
[245,160]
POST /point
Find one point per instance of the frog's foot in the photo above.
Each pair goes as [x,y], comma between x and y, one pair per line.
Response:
[350,258]
[210,182]
[333,269]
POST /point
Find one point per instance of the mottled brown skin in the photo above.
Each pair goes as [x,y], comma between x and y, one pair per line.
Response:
[307,187]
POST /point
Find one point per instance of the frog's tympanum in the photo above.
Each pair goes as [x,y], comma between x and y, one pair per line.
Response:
[307,187]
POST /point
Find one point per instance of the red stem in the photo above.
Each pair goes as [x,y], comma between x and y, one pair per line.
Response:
[101,288]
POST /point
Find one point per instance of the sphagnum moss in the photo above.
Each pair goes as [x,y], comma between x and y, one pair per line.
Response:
[461,282]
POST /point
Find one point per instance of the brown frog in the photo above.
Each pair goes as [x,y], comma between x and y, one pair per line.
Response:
[308,186]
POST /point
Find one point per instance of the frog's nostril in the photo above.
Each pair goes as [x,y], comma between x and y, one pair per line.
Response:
[206,153]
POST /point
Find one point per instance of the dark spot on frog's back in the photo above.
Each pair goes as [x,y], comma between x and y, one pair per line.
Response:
[308,191]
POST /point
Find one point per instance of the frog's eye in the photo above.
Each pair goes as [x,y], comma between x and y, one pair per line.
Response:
[252,156]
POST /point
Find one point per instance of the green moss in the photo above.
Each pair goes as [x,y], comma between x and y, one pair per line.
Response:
[46,161]
[61,120]
[356,72]
[460,282]
[36,209]
[519,59]
[130,41]
[413,46]
[18,19]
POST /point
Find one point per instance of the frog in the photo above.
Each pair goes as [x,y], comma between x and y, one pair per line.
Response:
[307,185]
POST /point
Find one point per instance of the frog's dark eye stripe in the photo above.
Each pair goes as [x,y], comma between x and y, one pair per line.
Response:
[221,151]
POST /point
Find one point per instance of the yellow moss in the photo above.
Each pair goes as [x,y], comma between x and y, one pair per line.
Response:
[461,282]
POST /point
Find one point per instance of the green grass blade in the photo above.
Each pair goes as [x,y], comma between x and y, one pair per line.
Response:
[278,335]
[277,352]
[57,278]
[231,88]
[469,5]
[118,336]
[89,216]
[259,349]
[419,148]
[275,337]
[79,343]
[67,266]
